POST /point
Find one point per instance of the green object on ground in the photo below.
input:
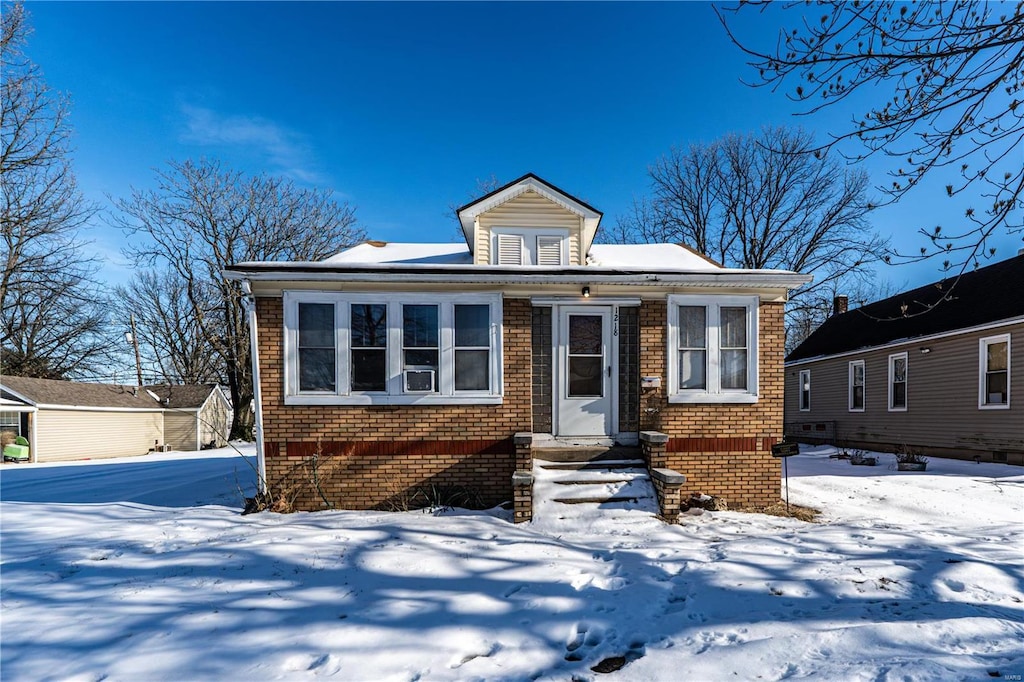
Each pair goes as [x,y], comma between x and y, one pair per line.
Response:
[16,452]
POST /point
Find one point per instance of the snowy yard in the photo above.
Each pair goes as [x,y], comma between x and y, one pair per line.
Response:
[143,569]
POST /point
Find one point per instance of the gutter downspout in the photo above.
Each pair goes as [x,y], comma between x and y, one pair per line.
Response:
[257,397]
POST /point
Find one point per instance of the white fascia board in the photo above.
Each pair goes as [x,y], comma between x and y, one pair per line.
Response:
[905,341]
[18,408]
[514,275]
[83,408]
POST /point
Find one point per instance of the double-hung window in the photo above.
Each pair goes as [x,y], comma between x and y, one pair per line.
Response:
[994,373]
[805,390]
[712,349]
[857,386]
[898,382]
[347,349]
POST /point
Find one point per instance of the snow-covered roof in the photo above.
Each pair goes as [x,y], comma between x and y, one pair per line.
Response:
[396,252]
[668,257]
[649,257]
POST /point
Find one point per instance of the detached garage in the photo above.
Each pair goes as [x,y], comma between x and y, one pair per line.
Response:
[195,417]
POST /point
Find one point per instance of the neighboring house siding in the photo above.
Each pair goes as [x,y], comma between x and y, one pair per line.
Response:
[942,415]
[82,434]
[215,422]
[371,455]
[529,210]
[180,430]
[723,450]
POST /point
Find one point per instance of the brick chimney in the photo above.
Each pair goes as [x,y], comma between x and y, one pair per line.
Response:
[839,305]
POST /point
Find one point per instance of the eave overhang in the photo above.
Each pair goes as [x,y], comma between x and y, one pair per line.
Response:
[501,275]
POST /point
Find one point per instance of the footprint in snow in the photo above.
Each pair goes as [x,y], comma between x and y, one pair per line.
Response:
[484,650]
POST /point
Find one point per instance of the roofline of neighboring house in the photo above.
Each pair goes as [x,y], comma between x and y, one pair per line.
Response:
[97,408]
[498,275]
[914,339]
[17,395]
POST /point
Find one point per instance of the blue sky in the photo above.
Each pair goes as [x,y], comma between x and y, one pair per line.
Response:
[401,108]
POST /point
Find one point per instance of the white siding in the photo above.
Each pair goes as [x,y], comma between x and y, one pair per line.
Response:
[215,425]
[529,210]
[180,430]
[84,434]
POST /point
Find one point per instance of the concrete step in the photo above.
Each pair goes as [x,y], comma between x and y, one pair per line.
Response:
[606,465]
[596,453]
[595,500]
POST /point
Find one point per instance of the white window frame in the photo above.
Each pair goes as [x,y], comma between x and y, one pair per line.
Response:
[983,345]
[805,379]
[395,395]
[864,386]
[713,392]
[529,240]
[892,381]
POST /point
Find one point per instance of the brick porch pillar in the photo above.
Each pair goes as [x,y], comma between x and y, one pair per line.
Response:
[522,479]
[654,444]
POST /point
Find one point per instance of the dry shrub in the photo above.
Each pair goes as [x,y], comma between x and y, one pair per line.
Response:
[779,509]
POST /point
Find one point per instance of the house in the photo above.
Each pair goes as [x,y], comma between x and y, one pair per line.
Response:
[390,366]
[66,420]
[196,416]
[933,369]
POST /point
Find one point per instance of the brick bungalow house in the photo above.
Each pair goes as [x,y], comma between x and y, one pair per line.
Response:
[419,364]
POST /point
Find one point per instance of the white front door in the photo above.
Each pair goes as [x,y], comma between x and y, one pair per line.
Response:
[584,391]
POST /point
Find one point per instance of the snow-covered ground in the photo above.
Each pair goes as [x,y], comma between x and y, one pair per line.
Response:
[143,569]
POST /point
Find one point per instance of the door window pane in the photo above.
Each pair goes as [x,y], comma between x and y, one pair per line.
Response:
[317,361]
[586,376]
[585,334]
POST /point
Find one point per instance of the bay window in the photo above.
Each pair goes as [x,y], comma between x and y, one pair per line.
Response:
[712,349]
[392,348]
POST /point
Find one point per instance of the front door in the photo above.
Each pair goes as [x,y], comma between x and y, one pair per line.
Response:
[584,388]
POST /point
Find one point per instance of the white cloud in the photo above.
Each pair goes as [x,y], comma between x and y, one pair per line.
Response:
[284,150]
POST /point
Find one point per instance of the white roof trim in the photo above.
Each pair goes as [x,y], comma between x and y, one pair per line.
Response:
[498,275]
[907,341]
[17,395]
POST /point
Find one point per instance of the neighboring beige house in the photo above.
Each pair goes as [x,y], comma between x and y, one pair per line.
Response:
[65,420]
[195,416]
[939,369]
[410,365]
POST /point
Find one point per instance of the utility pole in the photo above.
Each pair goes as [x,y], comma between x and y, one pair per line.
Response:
[135,343]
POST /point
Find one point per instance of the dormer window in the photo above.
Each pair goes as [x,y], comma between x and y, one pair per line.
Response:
[522,246]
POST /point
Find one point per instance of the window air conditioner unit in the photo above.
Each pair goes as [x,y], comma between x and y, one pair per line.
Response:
[419,380]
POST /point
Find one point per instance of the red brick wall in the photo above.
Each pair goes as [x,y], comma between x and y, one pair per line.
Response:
[724,450]
[370,456]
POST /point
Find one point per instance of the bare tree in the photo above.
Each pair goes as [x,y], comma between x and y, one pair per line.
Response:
[171,341]
[945,82]
[804,315]
[760,201]
[53,315]
[203,217]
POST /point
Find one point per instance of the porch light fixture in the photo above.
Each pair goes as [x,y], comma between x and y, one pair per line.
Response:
[586,292]
[926,350]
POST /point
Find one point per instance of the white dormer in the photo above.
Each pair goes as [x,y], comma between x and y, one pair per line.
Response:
[529,222]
